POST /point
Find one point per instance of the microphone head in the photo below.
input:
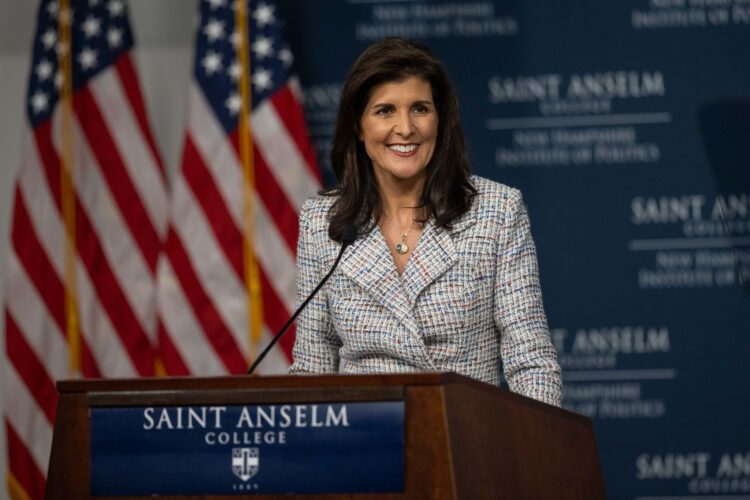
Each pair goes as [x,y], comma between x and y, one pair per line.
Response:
[349,234]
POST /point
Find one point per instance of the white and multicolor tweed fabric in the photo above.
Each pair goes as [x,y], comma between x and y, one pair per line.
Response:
[468,298]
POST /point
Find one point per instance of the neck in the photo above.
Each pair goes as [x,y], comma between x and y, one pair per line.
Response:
[400,198]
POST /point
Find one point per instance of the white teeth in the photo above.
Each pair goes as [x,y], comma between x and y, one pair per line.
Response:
[403,148]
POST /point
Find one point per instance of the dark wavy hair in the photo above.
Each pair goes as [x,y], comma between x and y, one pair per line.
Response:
[448,191]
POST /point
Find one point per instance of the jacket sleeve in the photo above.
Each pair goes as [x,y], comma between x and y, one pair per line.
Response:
[316,345]
[529,358]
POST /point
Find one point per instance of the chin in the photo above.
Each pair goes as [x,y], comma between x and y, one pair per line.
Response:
[409,175]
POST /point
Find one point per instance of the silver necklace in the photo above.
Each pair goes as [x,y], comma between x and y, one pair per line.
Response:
[402,248]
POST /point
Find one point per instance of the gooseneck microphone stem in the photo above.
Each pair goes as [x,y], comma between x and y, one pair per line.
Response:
[350,234]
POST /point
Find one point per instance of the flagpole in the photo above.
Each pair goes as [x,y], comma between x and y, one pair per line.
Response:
[252,279]
[67,166]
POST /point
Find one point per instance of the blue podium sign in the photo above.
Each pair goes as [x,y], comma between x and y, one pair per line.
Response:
[287,448]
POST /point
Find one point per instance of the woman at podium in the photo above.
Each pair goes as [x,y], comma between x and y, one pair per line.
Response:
[442,275]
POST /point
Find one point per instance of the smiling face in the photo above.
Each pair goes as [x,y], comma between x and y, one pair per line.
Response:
[399,128]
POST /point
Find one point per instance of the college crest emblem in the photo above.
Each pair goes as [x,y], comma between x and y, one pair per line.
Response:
[245,462]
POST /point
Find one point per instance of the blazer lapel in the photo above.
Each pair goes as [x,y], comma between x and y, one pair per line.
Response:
[434,255]
[370,265]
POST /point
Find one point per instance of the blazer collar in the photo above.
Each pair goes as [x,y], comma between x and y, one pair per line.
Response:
[434,254]
[465,221]
[370,265]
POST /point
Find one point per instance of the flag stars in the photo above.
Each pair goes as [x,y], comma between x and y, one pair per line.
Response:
[263,15]
[262,79]
[49,39]
[234,103]
[39,102]
[43,70]
[211,63]
[114,38]
[262,47]
[234,71]
[87,58]
[91,27]
[286,56]
[116,8]
[53,8]
[214,30]
[236,39]
[215,4]
[58,79]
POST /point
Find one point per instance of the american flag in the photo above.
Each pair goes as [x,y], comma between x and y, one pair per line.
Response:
[203,299]
[117,206]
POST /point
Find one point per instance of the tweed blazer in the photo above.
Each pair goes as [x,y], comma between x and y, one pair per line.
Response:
[468,300]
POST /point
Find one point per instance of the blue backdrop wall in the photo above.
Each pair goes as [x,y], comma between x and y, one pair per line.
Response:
[624,125]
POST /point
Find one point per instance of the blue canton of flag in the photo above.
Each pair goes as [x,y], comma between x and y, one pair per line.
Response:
[217,69]
[100,34]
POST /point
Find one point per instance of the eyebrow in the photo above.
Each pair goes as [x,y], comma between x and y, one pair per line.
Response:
[422,102]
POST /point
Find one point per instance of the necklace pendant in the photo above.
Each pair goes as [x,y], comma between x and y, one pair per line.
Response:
[402,248]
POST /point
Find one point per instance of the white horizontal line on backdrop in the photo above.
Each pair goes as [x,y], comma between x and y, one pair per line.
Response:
[578,121]
[384,1]
[593,375]
[682,243]
[700,497]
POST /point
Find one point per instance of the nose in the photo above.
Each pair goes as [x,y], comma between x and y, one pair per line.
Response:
[404,125]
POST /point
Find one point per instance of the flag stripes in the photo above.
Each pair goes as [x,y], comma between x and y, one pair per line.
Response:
[35,262]
[286,102]
[129,84]
[23,310]
[283,150]
[30,425]
[120,206]
[106,287]
[191,353]
[205,264]
[208,314]
[31,370]
[124,244]
[117,176]
[120,247]
[24,472]
[274,199]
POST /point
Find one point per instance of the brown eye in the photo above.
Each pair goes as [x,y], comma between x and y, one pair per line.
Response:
[385,110]
[421,109]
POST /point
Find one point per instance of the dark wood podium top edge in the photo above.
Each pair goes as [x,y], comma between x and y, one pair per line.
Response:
[253,382]
[276,383]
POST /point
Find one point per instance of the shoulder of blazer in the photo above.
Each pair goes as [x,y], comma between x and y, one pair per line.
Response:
[493,193]
[494,201]
[313,217]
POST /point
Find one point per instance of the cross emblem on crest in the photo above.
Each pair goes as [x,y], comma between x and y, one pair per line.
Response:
[245,462]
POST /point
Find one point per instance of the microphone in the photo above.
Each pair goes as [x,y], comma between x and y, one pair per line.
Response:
[347,238]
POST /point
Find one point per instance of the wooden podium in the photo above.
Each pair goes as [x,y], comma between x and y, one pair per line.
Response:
[462,439]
